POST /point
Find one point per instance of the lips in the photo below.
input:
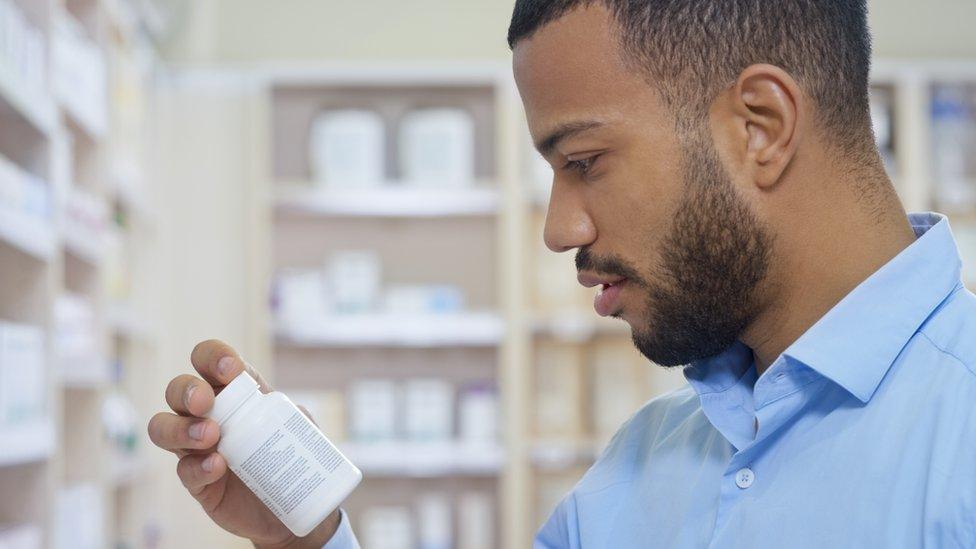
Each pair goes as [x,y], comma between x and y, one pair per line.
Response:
[607,301]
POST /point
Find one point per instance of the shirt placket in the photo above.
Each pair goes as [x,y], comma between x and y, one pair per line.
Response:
[777,397]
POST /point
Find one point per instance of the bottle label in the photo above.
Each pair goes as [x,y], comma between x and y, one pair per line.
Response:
[289,466]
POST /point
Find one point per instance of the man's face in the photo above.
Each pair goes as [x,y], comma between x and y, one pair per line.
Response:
[656,221]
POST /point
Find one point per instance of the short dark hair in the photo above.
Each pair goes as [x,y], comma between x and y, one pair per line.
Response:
[692,49]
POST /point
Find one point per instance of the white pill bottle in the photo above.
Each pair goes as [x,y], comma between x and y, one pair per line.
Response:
[281,455]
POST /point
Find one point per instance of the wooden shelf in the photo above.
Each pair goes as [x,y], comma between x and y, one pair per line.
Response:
[424,459]
[469,329]
[26,443]
[390,200]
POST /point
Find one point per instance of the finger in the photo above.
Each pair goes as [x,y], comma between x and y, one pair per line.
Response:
[219,363]
[216,361]
[189,395]
[197,471]
[176,433]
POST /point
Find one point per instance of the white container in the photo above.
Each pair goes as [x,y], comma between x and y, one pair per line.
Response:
[346,148]
[354,277]
[476,520]
[373,410]
[80,516]
[25,536]
[22,373]
[436,147]
[429,407]
[265,435]
[434,517]
[387,527]
[478,411]
[301,299]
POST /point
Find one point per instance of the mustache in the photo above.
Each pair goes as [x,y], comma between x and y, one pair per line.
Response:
[611,265]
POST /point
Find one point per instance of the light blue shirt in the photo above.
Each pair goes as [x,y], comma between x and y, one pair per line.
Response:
[866,438]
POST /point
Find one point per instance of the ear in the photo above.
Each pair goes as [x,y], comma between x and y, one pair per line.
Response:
[766,108]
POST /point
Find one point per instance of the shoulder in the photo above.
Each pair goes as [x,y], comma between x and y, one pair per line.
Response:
[654,421]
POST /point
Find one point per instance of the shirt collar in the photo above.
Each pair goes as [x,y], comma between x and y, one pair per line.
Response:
[856,342]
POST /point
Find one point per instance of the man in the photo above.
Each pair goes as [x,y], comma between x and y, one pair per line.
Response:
[716,172]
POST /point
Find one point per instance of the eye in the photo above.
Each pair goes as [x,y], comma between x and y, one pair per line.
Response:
[581,166]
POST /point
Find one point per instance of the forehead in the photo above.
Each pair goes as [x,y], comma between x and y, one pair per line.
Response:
[571,69]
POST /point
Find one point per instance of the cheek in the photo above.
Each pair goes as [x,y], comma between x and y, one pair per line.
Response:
[632,207]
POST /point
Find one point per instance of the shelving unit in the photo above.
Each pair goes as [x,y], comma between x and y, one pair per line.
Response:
[462,345]
[64,110]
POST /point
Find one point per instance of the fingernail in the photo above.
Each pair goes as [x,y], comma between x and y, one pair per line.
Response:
[197,430]
[225,365]
[188,395]
[208,464]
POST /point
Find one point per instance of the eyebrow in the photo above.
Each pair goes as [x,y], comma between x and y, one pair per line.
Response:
[547,144]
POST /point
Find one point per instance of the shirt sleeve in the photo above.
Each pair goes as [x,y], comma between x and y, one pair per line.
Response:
[561,531]
[344,537]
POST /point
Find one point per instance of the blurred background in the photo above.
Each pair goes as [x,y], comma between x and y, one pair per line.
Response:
[345,192]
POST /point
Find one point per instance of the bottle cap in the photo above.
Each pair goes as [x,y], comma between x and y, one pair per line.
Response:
[232,396]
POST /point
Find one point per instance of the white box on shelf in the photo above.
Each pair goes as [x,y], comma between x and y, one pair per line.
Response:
[79,518]
[478,415]
[26,442]
[435,523]
[26,211]
[23,65]
[22,373]
[436,147]
[80,75]
[354,278]
[387,527]
[373,410]
[476,521]
[22,536]
[79,352]
[86,224]
[428,409]
[300,298]
[346,148]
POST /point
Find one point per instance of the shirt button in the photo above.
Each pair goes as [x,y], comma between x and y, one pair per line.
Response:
[744,478]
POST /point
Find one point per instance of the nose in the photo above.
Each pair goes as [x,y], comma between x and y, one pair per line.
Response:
[568,225]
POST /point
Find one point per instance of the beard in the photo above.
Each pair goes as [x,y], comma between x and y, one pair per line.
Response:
[704,291]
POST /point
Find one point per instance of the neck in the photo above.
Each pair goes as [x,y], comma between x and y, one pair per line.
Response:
[825,247]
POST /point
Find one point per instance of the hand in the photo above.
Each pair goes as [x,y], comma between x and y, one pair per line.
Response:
[202,470]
